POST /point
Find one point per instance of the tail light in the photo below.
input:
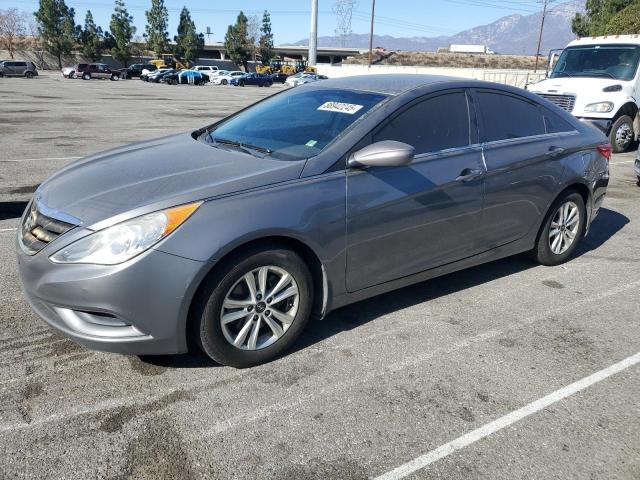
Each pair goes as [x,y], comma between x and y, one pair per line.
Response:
[605,150]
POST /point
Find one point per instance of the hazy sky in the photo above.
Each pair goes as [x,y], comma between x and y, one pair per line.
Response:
[290,19]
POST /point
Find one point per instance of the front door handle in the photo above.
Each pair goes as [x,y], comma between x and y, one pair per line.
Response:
[468,174]
[555,151]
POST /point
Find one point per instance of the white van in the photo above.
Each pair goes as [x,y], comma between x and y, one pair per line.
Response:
[597,80]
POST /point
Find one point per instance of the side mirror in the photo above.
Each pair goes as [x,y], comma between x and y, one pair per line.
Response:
[387,153]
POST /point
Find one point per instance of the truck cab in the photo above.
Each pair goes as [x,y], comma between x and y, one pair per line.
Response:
[597,79]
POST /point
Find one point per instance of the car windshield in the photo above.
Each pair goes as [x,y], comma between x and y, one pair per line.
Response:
[618,62]
[295,125]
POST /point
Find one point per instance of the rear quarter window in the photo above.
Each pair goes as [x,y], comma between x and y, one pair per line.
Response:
[554,123]
[504,117]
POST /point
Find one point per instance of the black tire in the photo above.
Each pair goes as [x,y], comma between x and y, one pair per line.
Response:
[621,135]
[542,251]
[224,81]
[209,307]
[86,76]
[28,74]
[72,75]
[242,84]
[115,78]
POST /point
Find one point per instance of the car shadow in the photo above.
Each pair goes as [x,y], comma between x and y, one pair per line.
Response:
[10,210]
[605,226]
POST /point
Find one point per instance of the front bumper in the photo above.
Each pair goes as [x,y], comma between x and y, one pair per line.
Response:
[139,307]
[602,124]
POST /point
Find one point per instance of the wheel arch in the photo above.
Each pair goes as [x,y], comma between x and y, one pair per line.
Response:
[578,187]
[309,256]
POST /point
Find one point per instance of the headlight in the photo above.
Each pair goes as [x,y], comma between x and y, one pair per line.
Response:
[600,107]
[123,241]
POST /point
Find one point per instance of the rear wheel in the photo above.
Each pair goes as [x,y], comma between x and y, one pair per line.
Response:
[242,84]
[255,309]
[28,74]
[562,230]
[115,78]
[224,81]
[621,135]
[86,76]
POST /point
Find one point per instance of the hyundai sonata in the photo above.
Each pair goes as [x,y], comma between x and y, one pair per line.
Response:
[233,236]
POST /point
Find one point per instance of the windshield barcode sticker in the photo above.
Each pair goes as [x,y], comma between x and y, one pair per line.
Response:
[349,108]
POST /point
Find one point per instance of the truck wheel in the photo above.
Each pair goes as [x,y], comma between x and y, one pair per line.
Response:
[621,134]
[86,76]
[72,75]
[115,78]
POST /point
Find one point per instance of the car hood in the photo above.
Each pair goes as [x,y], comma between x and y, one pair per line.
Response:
[156,174]
[574,85]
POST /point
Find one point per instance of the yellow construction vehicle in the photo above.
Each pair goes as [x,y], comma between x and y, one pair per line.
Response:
[303,66]
[168,60]
[276,66]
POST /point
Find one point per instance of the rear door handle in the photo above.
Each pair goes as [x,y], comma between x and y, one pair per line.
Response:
[468,174]
[555,151]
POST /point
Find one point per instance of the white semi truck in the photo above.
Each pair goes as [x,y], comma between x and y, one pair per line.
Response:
[597,79]
[458,48]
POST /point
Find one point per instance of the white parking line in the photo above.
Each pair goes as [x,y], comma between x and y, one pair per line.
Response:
[34,159]
[621,162]
[507,420]
[8,229]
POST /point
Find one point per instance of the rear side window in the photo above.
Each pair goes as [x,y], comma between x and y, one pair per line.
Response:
[432,125]
[554,123]
[506,117]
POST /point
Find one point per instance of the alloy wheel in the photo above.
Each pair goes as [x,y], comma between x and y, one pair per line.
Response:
[259,308]
[564,227]
[624,135]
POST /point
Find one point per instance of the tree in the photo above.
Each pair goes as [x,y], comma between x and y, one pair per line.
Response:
[91,39]
[599,13]
[626,21]
[12,26]
[266,39]
[189,43]
[122,31]
[57,28]
[156,30]
[36,44]
[236,42]
[253,35]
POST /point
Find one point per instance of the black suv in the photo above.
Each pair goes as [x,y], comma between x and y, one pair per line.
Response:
[135,70]
[13,68]
[97,70]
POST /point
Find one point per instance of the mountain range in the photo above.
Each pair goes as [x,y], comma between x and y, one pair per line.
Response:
[513,34]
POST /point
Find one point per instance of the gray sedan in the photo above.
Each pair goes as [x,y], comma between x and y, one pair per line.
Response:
[232,237]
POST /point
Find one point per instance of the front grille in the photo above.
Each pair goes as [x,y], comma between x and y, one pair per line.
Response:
[38,230]
[565,102]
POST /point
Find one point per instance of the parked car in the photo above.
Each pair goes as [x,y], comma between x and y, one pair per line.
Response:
[146,74]
[189,77]
[135,70]
[157,78]
[98,70]
[210,69]
[221,79]
[17,68]
[258,79]
[291,80]
[305,78]
[307,201]
[279,77]
[71,72]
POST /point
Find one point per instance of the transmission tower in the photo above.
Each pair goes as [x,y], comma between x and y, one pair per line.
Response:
[343,10]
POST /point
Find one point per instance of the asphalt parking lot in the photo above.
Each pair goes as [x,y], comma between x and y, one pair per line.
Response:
[432,378]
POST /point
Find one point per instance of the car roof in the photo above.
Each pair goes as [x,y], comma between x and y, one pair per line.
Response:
[388,84]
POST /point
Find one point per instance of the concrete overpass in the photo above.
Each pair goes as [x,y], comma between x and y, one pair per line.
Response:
[216,51]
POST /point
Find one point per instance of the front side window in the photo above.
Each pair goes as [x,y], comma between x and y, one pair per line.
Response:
[296,124]
[506,117]
[618,62]
[435,124]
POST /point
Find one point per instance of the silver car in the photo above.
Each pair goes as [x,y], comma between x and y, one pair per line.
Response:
[233,236]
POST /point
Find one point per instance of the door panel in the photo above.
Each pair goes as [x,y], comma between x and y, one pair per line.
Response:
[404,220]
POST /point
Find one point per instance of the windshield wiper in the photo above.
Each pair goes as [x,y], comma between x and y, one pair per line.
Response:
[247,147]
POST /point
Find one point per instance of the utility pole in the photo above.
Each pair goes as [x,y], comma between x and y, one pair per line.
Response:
[544,13]
[313,34]
[373,10]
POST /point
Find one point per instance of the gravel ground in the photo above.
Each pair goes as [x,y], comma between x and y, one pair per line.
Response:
[366,390]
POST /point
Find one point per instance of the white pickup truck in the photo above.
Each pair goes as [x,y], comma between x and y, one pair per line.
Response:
[597,80]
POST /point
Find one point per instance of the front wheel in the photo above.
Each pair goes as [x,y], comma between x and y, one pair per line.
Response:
[256,308]
[115,78]
[621,135]
[72,75]
[86,76]
[562,230]
[224,82]
[28,74]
